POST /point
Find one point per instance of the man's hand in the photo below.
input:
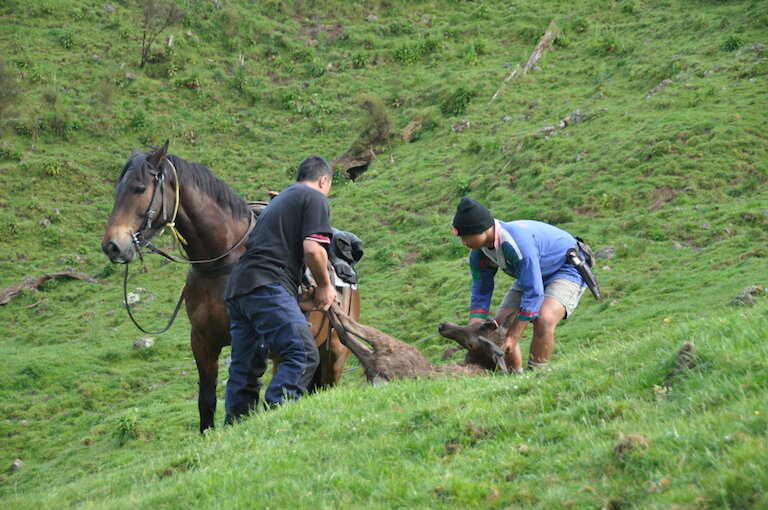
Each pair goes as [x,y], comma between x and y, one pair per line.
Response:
[325,296]
[514,333]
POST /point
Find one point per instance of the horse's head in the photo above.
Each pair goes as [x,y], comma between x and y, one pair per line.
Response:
[142,205]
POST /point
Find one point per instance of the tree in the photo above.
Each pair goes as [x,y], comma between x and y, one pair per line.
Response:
[158,15]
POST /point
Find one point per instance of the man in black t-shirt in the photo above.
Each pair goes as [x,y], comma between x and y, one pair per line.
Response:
[292,232]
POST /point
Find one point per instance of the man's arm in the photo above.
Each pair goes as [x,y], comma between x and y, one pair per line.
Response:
[481,288]
[316,257]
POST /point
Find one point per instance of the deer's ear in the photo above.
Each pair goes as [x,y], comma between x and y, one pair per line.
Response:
[496,353]
[495,349]
[489,324]
[501,364]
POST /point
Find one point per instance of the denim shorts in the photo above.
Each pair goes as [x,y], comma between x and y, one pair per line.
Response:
[564,291]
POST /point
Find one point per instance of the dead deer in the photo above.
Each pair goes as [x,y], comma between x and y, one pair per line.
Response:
[388,358]
[475,338]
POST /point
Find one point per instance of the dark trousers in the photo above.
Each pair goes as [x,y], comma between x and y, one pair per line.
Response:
[268,319]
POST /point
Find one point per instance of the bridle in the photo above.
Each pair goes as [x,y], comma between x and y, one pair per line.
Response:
[140,241]
[138,237]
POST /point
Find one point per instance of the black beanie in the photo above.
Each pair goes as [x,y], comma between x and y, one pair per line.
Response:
[471,218]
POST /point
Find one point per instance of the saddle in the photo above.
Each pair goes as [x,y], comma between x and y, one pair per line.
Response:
[345,251]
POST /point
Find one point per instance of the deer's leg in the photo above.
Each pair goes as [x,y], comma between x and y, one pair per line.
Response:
[347,331]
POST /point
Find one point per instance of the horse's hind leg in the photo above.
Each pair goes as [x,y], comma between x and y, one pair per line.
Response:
[207,360]
[350,304]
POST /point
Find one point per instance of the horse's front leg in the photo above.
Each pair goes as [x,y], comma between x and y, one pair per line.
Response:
[207,360]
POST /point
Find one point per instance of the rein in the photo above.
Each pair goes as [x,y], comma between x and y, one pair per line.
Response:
[130,314]
[140,242]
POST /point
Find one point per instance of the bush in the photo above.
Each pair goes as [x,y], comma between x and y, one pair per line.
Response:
[411,52]
[52,167]
[8,152]
[23,128]
[67,39]
[127,427]
[407,53]
[240,79]
[52,237]
[314,69]
[607,42]
[456,101]
[139,121]
[732,43]
[400,28]
[360,60]
[376,123]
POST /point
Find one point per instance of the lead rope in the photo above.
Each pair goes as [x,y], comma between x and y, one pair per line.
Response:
[172,224]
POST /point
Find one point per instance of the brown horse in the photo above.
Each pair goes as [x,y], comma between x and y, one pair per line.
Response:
[156,190]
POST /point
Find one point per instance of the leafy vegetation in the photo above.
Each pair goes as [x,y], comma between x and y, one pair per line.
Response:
[642,129]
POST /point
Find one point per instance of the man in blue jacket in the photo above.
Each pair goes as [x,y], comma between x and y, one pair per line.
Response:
[546,290]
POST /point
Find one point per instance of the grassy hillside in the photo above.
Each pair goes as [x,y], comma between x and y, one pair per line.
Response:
[642,129]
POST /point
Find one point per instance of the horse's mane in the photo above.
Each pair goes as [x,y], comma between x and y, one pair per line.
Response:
[193,174]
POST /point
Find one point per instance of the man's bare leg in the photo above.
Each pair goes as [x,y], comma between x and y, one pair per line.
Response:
[513,357]
[543,341]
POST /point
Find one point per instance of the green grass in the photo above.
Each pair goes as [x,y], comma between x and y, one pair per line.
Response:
[667,165]
[493,441]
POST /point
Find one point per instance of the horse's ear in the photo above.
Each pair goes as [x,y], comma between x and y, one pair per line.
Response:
[157,157]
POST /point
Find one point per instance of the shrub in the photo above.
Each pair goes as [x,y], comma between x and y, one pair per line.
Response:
[407,53]
[52,167]
[462,185]
[377,122]
[23,128]
[360,60]
[474,146]
[607,42]
[67,39]
[127,427]
[63,126]
[456,101]
[628,7]
[473,50]
[52,237]
[411,52]
[399,28]
[577,25]
[77,13]
[9,152]
[139,121]
[732,43]
[529,34]
[240,79]
[313,69]
[157,16]
[191,81]
[481,11]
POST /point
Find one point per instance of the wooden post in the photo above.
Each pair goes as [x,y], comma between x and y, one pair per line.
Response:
[544,43]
